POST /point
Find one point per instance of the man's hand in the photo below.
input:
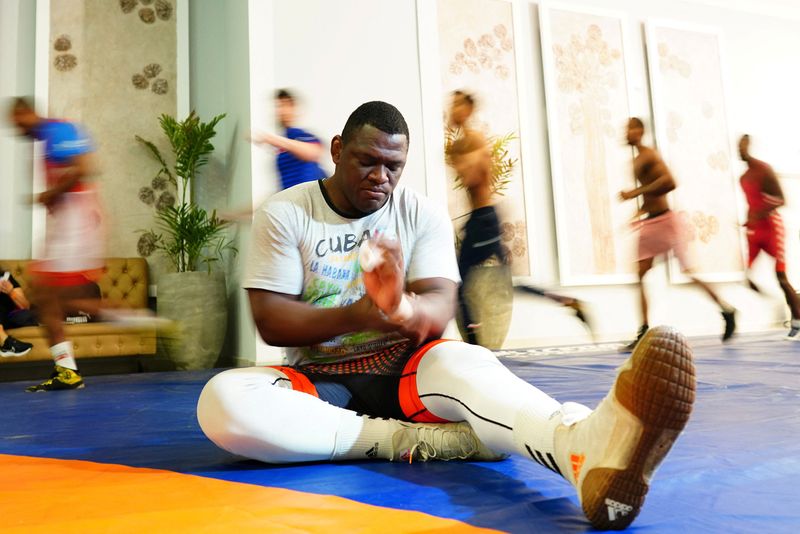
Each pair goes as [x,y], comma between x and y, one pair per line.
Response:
[385,283]
[627,195]
[49,197]
[6,287]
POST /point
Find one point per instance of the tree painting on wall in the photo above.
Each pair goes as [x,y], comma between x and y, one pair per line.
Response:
[587,103]
[585,69]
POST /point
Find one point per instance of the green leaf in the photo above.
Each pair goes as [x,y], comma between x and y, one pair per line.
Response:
[502,164]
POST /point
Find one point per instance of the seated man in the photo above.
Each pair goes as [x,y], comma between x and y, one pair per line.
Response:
[358,278]
[15,312]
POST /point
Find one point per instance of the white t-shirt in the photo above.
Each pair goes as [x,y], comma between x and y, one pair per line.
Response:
[302,246]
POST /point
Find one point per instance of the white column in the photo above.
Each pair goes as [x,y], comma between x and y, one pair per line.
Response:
[16,79]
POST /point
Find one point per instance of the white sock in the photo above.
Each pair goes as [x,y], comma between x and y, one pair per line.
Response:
[795,323]
[64,355]
[359,437]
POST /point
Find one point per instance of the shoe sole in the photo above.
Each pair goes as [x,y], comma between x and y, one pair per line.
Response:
[730,327]
[14,354]
[79,386]
[658,386]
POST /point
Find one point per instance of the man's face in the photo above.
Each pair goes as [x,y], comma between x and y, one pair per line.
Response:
[370,165]
[25,120]
[460,110]
[285,111]
[634,134]
[744,147]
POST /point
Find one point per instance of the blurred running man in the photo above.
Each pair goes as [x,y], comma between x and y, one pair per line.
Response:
[299,151]
[470,155]
[660,231]
[298,157]
[74,240]
[765,225]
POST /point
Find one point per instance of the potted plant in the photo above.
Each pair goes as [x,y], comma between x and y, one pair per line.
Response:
[192,239]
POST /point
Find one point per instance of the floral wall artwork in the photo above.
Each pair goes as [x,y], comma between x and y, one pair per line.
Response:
[476,47]
[790,183]
[121,78]
[587,107]
[692,135]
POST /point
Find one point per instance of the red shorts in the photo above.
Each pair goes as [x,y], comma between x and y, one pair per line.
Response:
[74,241]
[767,235]
[382,385]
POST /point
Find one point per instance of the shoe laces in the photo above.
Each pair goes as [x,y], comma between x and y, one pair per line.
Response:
[442,444]
[63,372]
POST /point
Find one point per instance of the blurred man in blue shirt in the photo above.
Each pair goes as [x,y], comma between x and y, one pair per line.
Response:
[298,151]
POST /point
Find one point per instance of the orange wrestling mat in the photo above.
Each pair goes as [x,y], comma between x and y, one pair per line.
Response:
[48,495]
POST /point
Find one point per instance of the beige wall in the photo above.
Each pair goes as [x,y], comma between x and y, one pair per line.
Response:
[110,47]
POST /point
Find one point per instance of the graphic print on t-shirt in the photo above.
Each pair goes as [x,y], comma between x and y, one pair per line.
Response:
[334,280]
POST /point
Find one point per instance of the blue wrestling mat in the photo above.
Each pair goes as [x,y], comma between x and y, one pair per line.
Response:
[735,468]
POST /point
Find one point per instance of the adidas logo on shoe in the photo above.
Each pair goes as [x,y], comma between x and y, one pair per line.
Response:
[615,508]
[373,451]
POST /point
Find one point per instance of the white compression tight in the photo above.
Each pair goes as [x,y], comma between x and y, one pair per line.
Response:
[254,413]
[462,382]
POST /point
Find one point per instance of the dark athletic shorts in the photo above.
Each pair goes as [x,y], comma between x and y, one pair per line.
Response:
[380,385]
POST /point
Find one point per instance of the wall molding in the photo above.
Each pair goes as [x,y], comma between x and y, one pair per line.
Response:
[772,8]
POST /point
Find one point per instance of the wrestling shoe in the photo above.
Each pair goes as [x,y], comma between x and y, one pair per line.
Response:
[439,441]
[794,331]
[79,318]
[62,378]
[610,455]
[632,345]
[14,348]
[730,323]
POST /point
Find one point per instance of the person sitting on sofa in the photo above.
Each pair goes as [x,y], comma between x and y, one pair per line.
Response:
[15,312]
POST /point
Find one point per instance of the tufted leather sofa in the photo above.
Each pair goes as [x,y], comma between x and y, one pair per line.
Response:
[125,281]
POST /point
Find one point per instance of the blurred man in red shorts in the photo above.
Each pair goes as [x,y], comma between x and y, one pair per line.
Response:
[74,240]
[765,226]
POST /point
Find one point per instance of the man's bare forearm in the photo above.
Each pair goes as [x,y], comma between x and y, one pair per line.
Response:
[660,186]
[299,149]
[284,321]
[19,299]
[296,324]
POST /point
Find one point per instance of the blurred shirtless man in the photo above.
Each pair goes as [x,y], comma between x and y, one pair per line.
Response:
[660,230]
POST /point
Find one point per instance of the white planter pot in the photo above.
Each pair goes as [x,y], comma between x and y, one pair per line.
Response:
[198,302]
